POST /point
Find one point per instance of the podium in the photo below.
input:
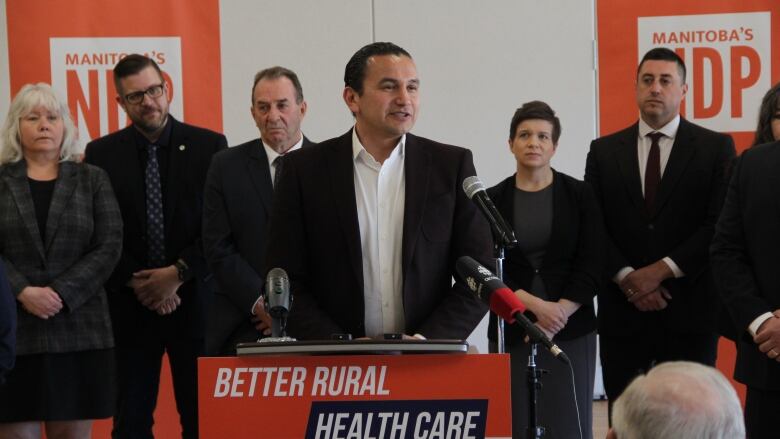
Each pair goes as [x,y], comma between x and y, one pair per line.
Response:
[290,393]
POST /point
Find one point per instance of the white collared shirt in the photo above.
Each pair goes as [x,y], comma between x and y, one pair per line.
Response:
[272,155]
[380,192]
[664,145]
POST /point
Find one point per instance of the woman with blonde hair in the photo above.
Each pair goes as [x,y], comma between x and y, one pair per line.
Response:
[60,236]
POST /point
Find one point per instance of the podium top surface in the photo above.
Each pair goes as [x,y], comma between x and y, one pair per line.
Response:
[331,347]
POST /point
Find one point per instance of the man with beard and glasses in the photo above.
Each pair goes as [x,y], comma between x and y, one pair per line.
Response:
[158,291]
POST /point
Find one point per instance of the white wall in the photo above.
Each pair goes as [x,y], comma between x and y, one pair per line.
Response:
[477,61]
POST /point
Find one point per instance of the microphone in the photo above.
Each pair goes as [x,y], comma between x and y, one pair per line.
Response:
[277,300]
[503,301]
[475,191]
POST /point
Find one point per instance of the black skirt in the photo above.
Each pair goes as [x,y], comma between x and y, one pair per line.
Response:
[60,387]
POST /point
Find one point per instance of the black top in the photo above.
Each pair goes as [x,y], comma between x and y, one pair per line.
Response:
[572,262]
[41,192]
[533,225]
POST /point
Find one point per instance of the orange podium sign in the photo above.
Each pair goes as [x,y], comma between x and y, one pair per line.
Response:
[356,396]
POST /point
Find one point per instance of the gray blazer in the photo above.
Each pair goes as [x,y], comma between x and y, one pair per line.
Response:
[82,245]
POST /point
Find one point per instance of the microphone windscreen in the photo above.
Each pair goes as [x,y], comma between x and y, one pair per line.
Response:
[505,303]
[472,185]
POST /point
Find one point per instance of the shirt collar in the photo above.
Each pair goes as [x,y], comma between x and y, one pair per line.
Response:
[272,154]
[358,149]
[668,130]
[163,141]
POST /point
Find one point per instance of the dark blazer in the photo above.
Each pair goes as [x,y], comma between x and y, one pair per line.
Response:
[190,152]
[7,326]
[314,236]
[236,213]
[686,207]
[83,242]
[745,257]
[573,260]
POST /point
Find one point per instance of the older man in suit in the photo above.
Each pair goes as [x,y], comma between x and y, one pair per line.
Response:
[368,225]
[237,208]
[159,289]
[660,183]
[746,267]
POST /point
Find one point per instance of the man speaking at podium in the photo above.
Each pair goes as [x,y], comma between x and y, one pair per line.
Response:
[368,225]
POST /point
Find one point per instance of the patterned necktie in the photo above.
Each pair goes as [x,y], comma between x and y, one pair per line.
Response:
[154,210]
[652,171]
[278,163]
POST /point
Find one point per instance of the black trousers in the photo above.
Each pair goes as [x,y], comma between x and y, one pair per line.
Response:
[138,364]
[625,357]
[761,410]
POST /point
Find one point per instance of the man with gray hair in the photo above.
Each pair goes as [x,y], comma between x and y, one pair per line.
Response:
[678,399]
[237,207]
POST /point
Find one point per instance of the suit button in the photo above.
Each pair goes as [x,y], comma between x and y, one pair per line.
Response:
[651,226]
[536,271]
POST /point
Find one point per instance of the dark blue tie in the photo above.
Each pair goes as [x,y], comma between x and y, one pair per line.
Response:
[154,210]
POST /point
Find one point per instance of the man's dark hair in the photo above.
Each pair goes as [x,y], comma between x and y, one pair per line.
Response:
[663,54]
[536,110]
[769,107]
[355,72]
[131,65]
[277,72]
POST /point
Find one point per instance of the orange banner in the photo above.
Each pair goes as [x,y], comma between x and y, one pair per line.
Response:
[728,47]
[74,46]
[367,396]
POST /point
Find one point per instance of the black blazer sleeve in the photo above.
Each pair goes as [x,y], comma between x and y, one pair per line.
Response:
[237,279]
[7,326]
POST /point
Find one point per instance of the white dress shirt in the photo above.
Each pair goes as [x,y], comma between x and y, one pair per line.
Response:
[380,192]
[272,155]
[643,151]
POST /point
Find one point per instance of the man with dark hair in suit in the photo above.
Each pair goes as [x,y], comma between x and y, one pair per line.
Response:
[660,183]
[7,326]
[237,208]
[746,267]
[369,225]
[159,289]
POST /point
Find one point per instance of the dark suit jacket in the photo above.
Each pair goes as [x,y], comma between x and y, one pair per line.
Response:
[237,210]
[314,236]
[746,259]
[7,326]
[83,242]
[573,260]
[686,207]
[190,152]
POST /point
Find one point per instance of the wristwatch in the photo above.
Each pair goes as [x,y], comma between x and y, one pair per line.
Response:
[183,270]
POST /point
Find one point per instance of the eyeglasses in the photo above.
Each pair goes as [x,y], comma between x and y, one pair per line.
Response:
[137,97]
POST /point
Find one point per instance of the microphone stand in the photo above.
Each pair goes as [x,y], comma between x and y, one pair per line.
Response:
[498,252]
[534,376]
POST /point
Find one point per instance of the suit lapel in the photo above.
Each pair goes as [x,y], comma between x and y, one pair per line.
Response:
[417,168]
[682,152]
[260,173]
[131,174]
[561,220]
[16,178]
[63,192]
[341,166]
[178,154]
[628,164]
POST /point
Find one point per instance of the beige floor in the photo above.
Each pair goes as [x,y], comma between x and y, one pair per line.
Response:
[600,419]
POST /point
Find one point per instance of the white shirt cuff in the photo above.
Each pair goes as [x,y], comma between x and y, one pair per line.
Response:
[753,328]
[675,269]
[420,336]
[252,310]
[621,274]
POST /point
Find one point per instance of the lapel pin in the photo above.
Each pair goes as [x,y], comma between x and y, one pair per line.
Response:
[182,147]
